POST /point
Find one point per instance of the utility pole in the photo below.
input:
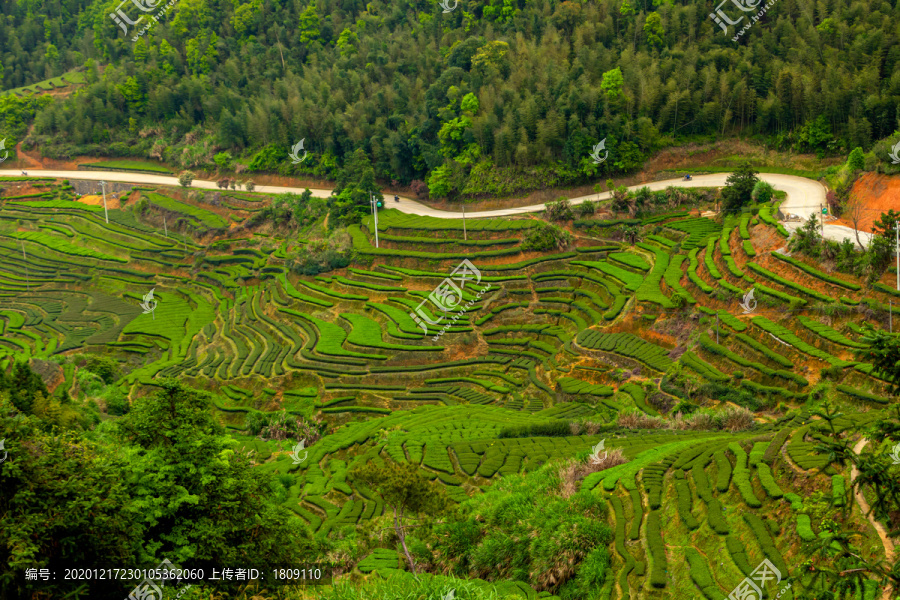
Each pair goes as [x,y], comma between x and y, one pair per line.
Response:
[105,212]
[717,327]
[897,231]
[822,216]
[374,204]
[466,237]
[891,315]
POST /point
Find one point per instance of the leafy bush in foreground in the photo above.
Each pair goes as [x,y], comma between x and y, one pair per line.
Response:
[524,527]
[546,236]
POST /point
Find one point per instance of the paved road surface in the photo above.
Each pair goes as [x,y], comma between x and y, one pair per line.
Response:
[804,196]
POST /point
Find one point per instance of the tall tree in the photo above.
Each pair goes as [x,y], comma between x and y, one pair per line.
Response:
[738,189]
[407,492]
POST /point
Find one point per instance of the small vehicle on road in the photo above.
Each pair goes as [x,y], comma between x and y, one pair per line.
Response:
[688,178]
[396,198]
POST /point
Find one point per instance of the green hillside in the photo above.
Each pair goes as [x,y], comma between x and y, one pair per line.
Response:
[718,428]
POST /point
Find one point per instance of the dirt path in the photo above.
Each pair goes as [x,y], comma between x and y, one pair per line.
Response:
[886,594]
[32,163]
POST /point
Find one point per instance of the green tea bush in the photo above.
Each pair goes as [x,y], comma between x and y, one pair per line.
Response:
[765,541]
[703,368]
[661,240]
[838,490]
[672,278]
[684,505]
[745,221]
[804,528]
[768,481]
[716,518]
[788,283]
[815,272]
[631,280]
[626,344]
[742,477]
[692,272]
[709,259]
[788,336]
[765,351]
[698,230]
[862,395]
[701,576]
[649,290]
[618,304]
[828,333]
[631,260]
[549,429]
[657,550]
[738,554]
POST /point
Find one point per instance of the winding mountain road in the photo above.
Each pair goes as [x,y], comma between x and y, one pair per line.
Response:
[805,197]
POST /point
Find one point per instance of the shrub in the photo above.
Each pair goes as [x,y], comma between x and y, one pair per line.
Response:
[572,471]
[561,210]
[856,161]
[419,188]
[762,192]
[185,178]
[585,209]
[631,418]
[574,526]
[546,236]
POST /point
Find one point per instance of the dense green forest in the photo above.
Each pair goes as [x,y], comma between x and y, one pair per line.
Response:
[548,80]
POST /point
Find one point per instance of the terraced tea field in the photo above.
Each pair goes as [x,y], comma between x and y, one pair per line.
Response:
[534,342]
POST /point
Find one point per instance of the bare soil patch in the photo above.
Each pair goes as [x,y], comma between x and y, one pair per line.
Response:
[94,200]
[880,193]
